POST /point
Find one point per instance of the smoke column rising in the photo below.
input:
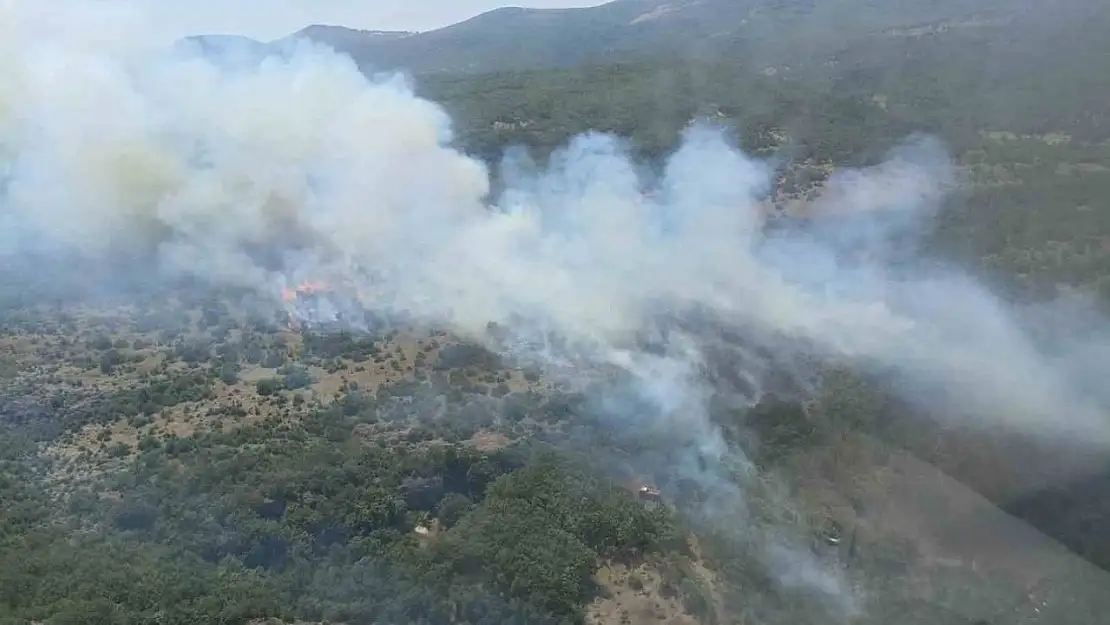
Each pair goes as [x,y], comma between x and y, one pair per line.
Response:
[299,167]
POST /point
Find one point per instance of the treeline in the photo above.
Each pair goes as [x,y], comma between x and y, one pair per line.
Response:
[955,83]
[651,103]
[1032,214]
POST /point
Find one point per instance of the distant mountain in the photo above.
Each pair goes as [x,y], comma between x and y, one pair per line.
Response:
[341,37]
[765,33]
[517,38]
[225,45]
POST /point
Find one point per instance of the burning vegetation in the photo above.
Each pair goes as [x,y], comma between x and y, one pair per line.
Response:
[301,303]
[305,289]
[650,493]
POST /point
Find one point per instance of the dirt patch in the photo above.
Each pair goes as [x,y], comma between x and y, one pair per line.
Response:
[1049,138]
[489,441]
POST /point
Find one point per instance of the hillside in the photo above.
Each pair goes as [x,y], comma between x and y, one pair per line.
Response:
[949,67]
[213,465]
[1031,219]
[187,450]
[987,64]
[757,32]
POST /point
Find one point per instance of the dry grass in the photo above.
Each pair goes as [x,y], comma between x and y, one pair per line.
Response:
[956,537]
[51,363]
[489,441]
[634,595]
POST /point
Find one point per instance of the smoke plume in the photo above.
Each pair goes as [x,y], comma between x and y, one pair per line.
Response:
[298,167]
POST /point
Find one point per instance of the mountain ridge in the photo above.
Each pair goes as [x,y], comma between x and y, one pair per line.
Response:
[761,31]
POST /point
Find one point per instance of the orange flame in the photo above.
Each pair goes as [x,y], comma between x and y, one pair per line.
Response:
[304,289]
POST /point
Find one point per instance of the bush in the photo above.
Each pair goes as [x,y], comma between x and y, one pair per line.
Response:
[229,374]
[269,386]
[274,359]
[295,377]
[452,508]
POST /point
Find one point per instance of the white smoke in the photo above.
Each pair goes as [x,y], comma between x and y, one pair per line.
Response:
[111,146]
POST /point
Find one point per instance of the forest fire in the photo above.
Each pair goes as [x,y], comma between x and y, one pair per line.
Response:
[304,289]
[318,303]
[299,296]
[650,493]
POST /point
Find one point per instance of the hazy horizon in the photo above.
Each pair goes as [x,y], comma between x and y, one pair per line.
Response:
[267,20]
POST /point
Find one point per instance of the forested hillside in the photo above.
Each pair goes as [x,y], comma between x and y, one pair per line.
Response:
[208,467]
[756,31]
[1038,171]
[180,452]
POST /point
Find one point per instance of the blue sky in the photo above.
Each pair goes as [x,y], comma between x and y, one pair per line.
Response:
[270,19]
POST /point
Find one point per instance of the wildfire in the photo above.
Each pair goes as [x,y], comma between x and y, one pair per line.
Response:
[304,289]
[291,295]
